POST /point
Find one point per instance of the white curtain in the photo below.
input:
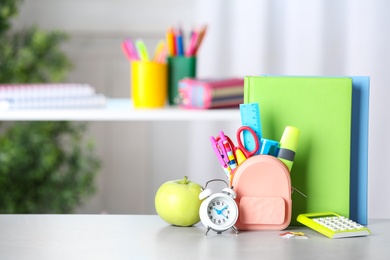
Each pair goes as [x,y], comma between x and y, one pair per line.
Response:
[308,37]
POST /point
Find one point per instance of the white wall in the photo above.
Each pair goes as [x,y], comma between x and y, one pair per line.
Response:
[247,37]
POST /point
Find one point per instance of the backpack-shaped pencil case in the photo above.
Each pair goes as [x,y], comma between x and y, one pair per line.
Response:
[263,187]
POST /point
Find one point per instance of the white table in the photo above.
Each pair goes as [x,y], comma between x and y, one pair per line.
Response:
[149,237]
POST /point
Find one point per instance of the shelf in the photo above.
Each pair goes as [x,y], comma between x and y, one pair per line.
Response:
[120,110]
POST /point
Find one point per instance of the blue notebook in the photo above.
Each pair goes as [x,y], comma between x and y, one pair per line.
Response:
[359,149]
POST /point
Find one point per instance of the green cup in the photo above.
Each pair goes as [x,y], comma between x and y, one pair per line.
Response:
[179,67]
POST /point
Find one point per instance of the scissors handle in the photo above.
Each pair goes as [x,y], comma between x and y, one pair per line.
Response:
[242,147]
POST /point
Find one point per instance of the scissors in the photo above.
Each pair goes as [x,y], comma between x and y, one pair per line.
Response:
[241,152]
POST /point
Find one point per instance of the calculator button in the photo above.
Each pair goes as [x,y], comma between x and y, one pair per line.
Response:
[333,226]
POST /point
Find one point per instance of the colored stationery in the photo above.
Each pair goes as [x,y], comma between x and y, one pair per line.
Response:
[170,37]
[199,39]
[218,153]
[250,116]
[129,49]
[288,146]
[321,109]
[175,41]
[193,40]
[179,43]
[227,151]
[139,52]
[142,50]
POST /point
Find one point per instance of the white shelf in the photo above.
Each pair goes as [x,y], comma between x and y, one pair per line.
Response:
[120,110]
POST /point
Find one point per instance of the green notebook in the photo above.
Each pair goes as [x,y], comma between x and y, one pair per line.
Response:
[321,108]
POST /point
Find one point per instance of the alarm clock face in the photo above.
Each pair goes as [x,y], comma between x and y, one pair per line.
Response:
[221,212]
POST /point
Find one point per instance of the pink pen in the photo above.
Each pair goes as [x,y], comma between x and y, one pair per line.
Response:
[230,159]
[225,166]
[129,45]
[126,51]
[229,173]
[191,47]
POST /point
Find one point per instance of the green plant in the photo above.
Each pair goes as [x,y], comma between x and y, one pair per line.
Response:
[45,167]
[30,55]
[33,55]
[8,8]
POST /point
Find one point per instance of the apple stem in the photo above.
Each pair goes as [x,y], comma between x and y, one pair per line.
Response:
[185,181]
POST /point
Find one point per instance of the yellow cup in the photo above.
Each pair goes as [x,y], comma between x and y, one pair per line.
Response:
[148,84]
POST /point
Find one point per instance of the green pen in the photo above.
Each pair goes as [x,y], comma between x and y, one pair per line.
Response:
[142,50]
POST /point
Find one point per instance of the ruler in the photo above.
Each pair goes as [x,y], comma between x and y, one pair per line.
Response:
[250,116]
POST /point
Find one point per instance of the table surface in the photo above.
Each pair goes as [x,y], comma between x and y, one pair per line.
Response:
[149,237]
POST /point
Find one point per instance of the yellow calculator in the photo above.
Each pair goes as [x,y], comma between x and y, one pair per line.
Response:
[333,225]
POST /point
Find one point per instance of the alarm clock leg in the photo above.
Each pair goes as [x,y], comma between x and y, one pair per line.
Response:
[235,229]
[207,231]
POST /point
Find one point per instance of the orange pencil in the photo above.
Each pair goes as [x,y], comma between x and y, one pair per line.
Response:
[171,41]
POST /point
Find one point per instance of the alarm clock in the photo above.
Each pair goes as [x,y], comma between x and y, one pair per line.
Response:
[218,211]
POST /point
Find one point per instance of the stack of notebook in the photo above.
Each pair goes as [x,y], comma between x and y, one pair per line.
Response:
[330,166]
[42,96]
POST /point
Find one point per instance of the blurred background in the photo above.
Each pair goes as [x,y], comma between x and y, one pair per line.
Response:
[244,37]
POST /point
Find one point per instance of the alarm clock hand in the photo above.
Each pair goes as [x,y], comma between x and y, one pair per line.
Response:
[219,212]
[223,209]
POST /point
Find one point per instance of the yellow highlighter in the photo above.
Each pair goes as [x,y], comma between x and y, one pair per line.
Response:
[160,52]
[288,146]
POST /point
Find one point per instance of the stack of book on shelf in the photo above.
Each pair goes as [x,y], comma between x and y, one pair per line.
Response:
[46,96]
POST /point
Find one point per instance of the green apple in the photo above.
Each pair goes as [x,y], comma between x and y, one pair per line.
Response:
[177,202]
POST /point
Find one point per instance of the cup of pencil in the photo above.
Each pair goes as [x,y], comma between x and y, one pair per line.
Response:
[148,76]
[181,60]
